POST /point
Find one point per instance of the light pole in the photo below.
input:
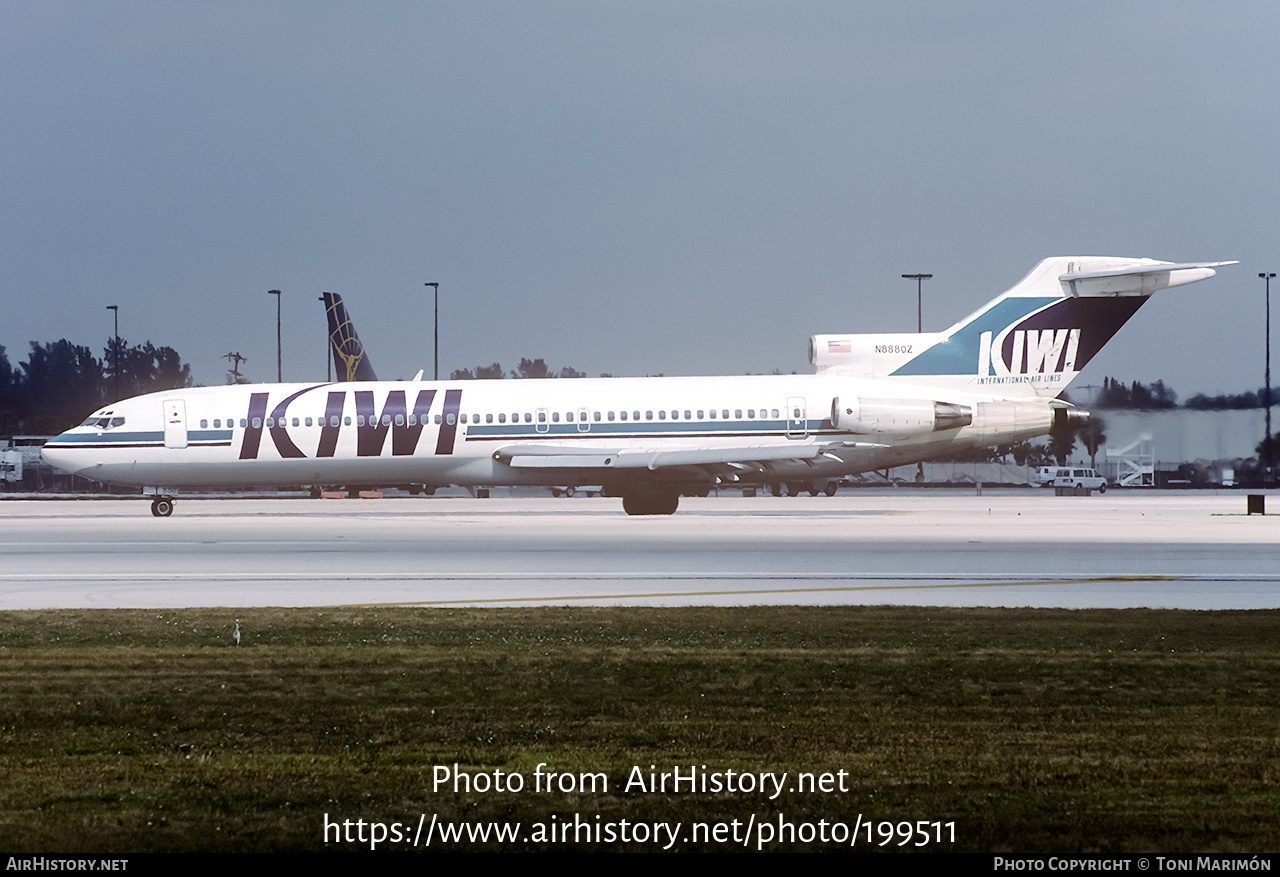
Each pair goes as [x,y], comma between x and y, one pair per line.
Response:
[115,348]
[919,279]
[436,287]
[328,365]
[1266,441]
[279,367]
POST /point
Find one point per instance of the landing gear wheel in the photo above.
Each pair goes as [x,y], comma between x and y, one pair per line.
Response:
[830,489]
[650,503]
[162,506]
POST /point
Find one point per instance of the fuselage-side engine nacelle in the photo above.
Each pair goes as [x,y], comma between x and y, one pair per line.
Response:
[871,415]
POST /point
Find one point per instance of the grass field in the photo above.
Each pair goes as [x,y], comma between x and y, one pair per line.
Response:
[1030,730]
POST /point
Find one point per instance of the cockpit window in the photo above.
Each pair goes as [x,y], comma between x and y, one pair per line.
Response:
[104,421]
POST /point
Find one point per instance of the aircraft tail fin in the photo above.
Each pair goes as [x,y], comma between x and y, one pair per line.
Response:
[350,362]
[1031,341]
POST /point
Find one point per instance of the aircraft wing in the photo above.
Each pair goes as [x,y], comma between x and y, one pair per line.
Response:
[567,457]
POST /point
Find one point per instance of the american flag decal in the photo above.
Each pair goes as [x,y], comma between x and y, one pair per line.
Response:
[841,346]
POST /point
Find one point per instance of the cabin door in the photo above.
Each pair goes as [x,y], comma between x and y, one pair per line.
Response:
[797,418]
[175,423]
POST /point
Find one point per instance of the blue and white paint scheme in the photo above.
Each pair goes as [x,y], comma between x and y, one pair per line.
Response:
[875,401]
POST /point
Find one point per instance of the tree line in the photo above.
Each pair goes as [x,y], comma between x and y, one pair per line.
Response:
[1158,397]
[528,368]
[60,383]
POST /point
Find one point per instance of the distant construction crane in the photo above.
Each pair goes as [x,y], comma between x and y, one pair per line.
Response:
[233,373]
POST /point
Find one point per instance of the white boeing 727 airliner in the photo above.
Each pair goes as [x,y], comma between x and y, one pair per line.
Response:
[876,401]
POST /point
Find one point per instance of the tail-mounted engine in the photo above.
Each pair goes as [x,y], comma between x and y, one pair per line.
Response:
[862,415]
[1069,419]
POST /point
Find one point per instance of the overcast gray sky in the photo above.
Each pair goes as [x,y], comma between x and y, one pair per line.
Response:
[645,187]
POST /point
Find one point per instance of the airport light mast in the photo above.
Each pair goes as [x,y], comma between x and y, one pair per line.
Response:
[919,279]
[436,288]
[115,349]
[328,364]
[279,367]
[1266,441]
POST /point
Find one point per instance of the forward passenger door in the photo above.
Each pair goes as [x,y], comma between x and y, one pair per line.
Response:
[175,423]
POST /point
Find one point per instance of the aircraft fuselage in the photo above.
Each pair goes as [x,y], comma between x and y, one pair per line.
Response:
[452,432]
[876,401]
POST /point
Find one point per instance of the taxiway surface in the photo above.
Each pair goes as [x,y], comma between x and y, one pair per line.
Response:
[952,548]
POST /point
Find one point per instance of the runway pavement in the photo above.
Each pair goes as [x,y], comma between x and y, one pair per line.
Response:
[906,547]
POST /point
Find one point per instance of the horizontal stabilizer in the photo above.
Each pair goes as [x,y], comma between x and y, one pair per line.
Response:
[1137,279]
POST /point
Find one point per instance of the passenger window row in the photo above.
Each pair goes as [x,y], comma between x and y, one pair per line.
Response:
[528,417]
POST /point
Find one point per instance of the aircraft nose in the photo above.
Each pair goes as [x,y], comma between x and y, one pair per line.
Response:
[56,452]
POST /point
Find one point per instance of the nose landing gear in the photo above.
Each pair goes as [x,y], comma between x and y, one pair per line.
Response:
[162,506]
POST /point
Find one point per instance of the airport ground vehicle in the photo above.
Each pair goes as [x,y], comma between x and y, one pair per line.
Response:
[1075,476]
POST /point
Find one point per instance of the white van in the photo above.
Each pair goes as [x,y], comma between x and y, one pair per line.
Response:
[1070,476]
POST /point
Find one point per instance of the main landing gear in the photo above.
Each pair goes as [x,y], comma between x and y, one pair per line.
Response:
[646,503]
[162,506]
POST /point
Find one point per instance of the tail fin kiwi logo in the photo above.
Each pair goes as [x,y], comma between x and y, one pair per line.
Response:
[1032,352]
